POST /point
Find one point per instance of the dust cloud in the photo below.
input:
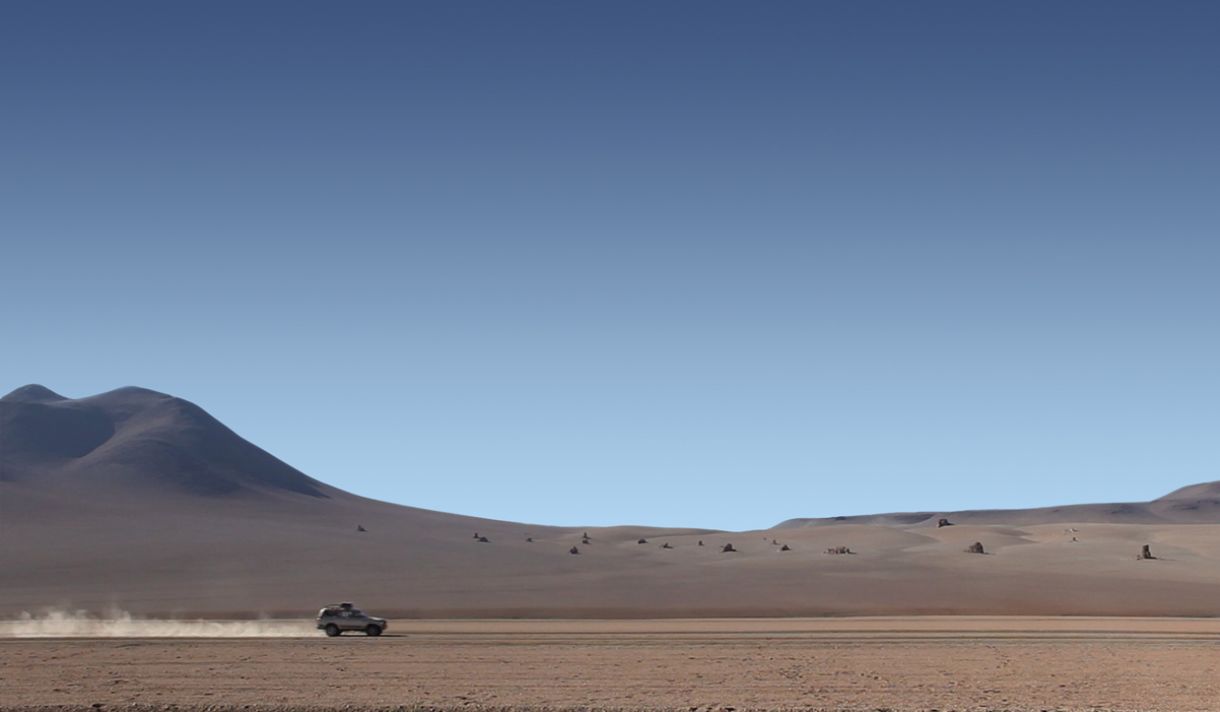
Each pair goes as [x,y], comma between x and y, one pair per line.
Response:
[120,624]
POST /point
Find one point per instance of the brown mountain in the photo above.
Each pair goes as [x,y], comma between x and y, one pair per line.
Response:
[137,500]
[134,438]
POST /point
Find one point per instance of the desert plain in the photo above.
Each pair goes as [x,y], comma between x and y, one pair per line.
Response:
[902,663]
[150,558]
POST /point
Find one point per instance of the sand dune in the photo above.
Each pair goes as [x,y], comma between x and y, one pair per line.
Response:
[138,501]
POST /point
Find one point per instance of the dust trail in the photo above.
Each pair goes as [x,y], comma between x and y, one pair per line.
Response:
[120,624]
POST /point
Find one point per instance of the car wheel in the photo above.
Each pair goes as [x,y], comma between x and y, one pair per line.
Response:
[332,630]
[373,630]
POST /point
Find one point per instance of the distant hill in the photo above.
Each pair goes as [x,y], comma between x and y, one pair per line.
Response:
[1196,504]
[141,501]
[1205,491]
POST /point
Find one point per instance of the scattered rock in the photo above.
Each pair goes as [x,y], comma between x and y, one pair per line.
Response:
[484,540]
[942,522]
[975,548]
[642,541]
[727,549]
[360,528]
[839,550]
[585,541]
[700,542]
[666,546]
[529,539]
[573,550]
[785,547]
[476,535]
[1146,553]
[774,542]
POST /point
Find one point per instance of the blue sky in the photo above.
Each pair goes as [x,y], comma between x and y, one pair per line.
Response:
[682,263]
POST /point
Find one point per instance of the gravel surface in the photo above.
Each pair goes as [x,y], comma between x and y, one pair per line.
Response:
[516,669]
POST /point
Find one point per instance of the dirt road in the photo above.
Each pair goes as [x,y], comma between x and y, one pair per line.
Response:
[835,664]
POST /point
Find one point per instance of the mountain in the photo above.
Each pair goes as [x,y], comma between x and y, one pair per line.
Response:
[1196,504]
[134,437]
[1194,493]
[141,501]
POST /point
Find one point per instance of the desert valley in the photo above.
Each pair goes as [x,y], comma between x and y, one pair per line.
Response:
[140,502]
[150,558]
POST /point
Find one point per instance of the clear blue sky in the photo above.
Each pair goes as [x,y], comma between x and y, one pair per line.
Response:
[685,263]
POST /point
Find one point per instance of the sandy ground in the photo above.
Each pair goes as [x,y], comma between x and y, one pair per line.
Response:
[139,503]
[833,664]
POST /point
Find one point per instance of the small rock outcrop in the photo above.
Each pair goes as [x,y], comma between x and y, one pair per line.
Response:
[666,546]
[360,528]
[727,549]
[942,522]
[483,540]
[476,535]
[785,547]
[642,541]
[574,551]
[529,540]
[700,542]
[976,548]
[839,550]
[1146,553]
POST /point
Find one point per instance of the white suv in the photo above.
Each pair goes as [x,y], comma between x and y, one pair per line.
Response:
[337,618]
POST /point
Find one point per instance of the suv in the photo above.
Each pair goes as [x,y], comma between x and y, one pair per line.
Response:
[336,618]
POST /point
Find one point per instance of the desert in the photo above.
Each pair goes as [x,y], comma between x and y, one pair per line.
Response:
[898,664]
[618,356]
[152,558]
[139,502]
